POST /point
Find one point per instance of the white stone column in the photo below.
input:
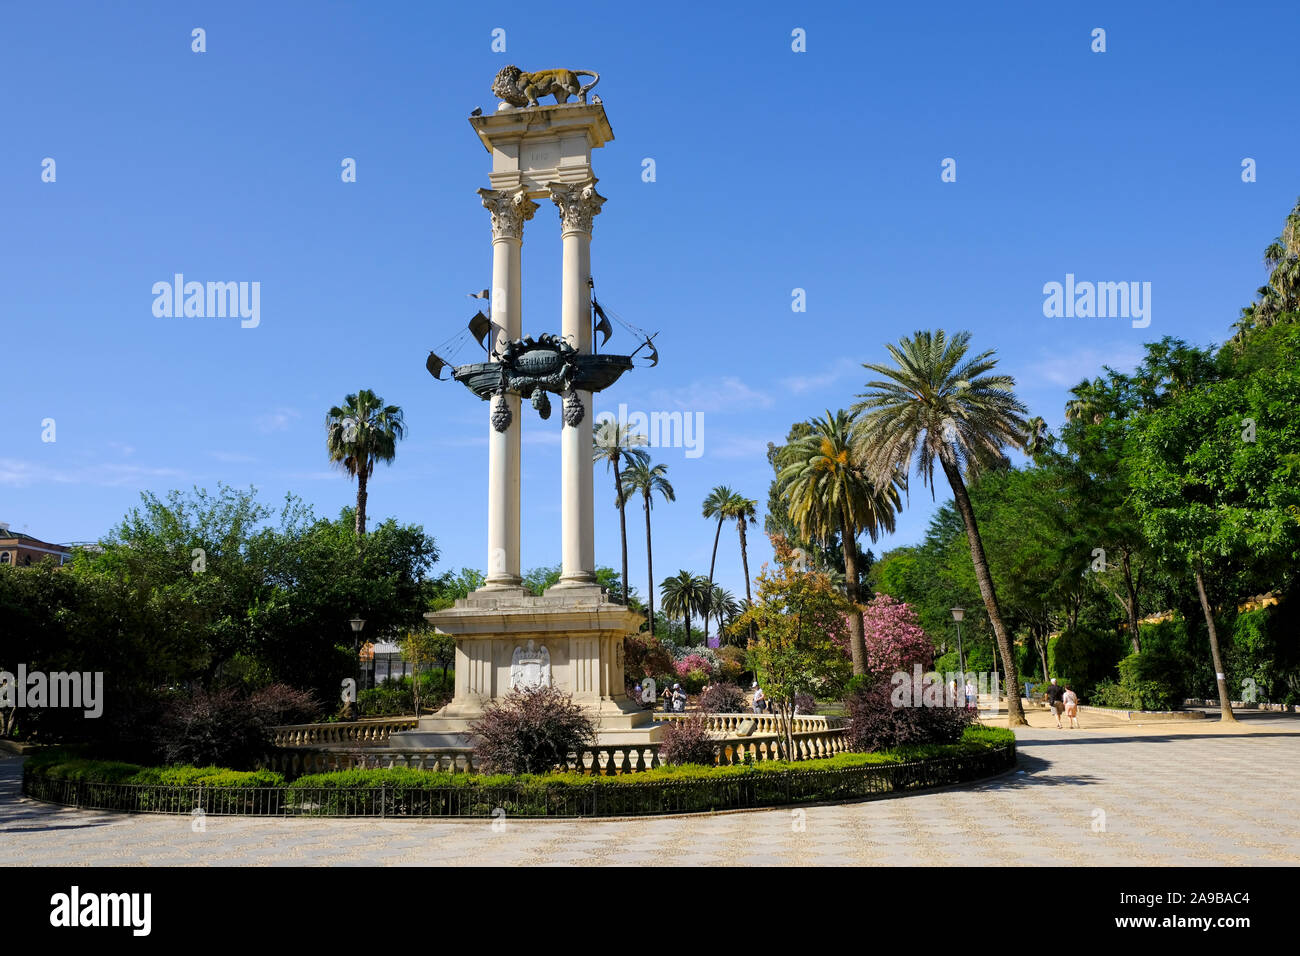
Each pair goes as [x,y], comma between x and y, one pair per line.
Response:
[510,209]
[578,204]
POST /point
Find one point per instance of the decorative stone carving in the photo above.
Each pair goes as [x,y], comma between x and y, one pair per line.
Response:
[510,209]
[578,204]
[530,667]
[518,88]
[501,416]
[542,404]
[573,410]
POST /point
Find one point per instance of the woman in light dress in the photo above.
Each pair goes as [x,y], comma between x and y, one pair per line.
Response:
[1071,701]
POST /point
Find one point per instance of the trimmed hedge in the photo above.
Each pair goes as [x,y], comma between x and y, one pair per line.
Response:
[61,765]
[406,792]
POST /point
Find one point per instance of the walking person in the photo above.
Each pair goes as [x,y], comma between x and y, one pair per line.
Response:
[1071,701]
[1056,697]
[760,701]
[679,699]
[971,694]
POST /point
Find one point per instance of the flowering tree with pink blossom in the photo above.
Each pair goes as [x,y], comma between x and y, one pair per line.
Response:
[894,638]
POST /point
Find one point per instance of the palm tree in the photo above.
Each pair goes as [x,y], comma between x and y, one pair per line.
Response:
[724,606]
[359,433]
[641,476]
[685,594]
[1089,402]
[1282,293]
[935,404]
[743,510]
[825,483]
[715,507]
[1038,438]
[610,443]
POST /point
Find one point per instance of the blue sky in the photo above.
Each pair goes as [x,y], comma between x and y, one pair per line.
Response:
[775,170]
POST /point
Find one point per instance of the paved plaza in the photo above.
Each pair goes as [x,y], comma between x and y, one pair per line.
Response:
[1113,793]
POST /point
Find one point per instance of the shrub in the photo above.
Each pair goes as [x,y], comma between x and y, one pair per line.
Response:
[531,731]
[693,681]
[687,741]
[644,656]
[693,662]
[1149,679]
[731,662]
[1084,656]
[226,727]
[723,699]
[876,724]
[805,703]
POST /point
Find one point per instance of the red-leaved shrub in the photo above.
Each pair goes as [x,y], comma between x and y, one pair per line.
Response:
[723,699]
[876,724]
[226,728]
[687,741]
[531,731]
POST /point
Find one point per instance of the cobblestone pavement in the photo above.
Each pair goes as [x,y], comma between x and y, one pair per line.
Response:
[1106,795]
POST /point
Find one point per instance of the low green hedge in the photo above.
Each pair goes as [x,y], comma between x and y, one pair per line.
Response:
[407,792]
[62,765]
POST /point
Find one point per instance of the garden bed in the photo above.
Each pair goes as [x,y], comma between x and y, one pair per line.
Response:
[105,785]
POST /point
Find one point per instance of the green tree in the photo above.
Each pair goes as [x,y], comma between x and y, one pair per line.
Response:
[647,479]
[797,618]
[936,405]
[611,442]
[452,586]
[198,548]
[423,648]
[1216,486]
[359,433]
[826,488]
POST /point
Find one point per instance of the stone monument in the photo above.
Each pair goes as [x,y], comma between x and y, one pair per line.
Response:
[572,635]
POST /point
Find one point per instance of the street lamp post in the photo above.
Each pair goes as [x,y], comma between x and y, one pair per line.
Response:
[957,614]
[357,624]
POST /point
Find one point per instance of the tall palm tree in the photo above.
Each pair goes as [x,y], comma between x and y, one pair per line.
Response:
[611,442]
[359,433]
[715,507]
[685,594]
[935,404]
[742,510]
[641,476]
[827,487]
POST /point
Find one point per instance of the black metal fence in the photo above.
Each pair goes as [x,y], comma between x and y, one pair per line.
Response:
[598,798]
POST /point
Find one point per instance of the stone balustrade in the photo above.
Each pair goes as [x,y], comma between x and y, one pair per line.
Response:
[373,732]
[763,723]
[604,760]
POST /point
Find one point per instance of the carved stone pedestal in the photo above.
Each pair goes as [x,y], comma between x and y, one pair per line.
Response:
[570,637]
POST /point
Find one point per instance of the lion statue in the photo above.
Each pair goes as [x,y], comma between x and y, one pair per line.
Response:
[522,89]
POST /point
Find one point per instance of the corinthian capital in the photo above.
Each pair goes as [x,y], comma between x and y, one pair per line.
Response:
[578,204]
[510,209]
